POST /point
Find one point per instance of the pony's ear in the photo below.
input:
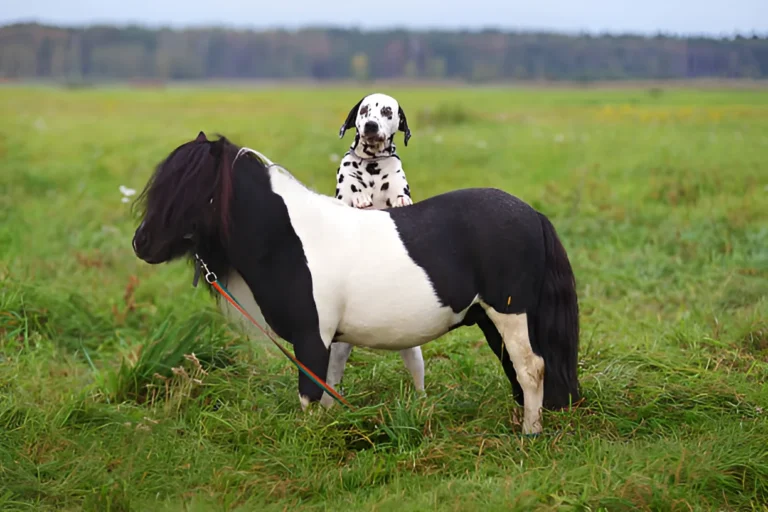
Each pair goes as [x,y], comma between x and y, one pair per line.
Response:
[217,146]
[403,127]
[201,137]
[351,117]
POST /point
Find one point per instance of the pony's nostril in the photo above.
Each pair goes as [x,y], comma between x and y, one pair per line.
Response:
[139,240]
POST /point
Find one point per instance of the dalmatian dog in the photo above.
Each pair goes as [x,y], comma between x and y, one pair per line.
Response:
[371,176]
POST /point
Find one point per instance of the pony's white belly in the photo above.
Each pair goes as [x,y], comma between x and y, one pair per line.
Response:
[394,326]
[395,308]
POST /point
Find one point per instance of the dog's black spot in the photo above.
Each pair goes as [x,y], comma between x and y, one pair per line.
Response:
[384,186]
[389,203]
[346,164]
[385,176]
[341,178]
[360,180]
[373,168]
[355,165]
[407,191]
[370,183]
[338,196]
[337,192]
[354,188]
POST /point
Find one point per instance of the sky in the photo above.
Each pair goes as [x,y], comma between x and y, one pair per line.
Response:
[681,17]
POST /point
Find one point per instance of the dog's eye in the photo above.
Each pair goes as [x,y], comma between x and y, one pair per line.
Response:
[364,110]
[386,111]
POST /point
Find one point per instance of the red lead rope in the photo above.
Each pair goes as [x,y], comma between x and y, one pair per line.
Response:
[309,373]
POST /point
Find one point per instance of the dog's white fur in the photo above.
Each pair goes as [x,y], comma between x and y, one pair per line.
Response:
[371,176]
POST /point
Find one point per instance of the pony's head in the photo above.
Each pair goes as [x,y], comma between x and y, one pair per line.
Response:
[186,201]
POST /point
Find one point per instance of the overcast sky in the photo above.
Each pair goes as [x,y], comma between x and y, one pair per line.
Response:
[712,17]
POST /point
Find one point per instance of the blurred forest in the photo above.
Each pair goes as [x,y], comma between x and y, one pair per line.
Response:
[33,51]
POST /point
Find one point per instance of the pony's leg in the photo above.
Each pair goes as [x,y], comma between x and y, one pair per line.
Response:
[414,361]
[528,366]
[338,361]
[494,340]
[314,354]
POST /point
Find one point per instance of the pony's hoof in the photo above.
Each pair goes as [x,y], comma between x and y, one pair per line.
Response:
[327,401]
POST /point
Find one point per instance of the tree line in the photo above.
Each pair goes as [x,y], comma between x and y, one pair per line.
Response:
[34,51]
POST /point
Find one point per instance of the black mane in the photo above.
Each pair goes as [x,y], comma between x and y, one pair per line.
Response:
[192,175]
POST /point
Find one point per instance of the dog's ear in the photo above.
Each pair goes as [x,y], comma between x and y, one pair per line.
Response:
[201,137]
[403,127]
[351,117]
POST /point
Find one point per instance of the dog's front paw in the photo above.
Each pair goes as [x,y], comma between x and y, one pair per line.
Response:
[362,200]
[403,201]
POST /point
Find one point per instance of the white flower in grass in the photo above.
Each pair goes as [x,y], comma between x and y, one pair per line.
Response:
[334,157]
[559,138]
[481,144]
[127,192]
[438,139]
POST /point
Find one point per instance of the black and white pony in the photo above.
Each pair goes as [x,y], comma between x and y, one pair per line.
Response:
[318,271]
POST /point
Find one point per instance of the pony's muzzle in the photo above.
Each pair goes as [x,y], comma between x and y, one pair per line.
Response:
[140,240]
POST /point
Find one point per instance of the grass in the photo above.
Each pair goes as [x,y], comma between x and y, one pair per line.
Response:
[659,196]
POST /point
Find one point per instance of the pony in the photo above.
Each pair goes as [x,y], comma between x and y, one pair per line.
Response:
[319,272]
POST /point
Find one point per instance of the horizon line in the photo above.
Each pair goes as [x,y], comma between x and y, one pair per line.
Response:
[747,34]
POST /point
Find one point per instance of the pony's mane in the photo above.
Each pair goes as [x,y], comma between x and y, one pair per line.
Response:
[192,175]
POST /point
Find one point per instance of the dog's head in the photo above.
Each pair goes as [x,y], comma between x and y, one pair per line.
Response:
[377,118]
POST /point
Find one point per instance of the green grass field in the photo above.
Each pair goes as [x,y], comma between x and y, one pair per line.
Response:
[660,196]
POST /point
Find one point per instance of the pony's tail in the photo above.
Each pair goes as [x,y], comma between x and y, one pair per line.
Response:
[554,326]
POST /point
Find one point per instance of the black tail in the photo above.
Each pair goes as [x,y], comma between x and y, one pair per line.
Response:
[554,326]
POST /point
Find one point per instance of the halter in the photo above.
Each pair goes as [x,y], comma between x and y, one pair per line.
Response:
[213,281]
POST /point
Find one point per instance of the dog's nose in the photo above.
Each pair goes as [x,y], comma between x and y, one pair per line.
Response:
[371,127]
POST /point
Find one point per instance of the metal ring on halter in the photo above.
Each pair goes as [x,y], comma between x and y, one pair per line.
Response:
[210,276]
